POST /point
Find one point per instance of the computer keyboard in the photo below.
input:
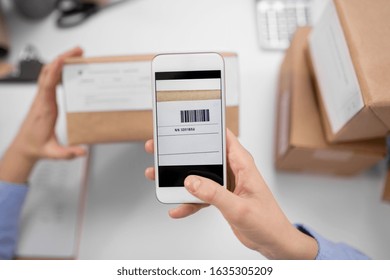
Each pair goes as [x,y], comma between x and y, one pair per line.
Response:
[278,19]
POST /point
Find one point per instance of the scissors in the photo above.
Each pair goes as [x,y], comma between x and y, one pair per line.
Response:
[75,12]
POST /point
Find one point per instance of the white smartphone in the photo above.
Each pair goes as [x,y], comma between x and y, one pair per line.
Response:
[189,122]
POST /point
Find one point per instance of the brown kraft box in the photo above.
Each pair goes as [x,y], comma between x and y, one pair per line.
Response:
[89,127]
[349,50]
[301,144]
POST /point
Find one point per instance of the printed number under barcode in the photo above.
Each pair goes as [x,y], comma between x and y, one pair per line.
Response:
[195,116]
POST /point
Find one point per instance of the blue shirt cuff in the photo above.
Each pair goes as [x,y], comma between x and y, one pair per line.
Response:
[328,250]
[12,197]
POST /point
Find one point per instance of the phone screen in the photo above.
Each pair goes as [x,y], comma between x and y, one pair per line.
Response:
[189,115]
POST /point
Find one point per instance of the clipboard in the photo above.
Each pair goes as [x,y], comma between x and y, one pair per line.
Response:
[52,217]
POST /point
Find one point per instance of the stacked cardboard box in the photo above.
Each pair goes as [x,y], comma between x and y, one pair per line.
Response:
[301,144]
[348,56]
[349,50]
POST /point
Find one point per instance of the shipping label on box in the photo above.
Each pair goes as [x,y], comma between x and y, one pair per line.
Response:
[102,87]
[349,53]
[338,82]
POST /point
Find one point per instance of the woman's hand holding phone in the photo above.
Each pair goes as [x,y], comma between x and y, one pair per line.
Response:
[251,210]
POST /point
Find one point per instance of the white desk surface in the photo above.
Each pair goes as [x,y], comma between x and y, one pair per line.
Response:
[123,219]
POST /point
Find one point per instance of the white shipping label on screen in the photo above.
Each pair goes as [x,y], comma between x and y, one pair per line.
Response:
[189,131]
[116,86]
[336,75]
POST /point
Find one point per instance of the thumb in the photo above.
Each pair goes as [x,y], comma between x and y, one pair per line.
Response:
[54,150]
[212,193]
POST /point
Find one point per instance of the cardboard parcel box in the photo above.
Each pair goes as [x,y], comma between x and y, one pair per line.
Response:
[349,49]
[109,99]
[300,142]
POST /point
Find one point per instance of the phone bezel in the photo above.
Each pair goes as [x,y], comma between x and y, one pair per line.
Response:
[186,62]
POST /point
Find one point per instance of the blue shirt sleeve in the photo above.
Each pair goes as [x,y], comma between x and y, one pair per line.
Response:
[328,250]
[11,201]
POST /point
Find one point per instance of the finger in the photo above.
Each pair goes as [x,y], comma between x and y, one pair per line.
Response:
[212,193]
[150,173]
[76,51]
[42,75]
[78,151]
[55,67]
[238,157]
[53,73]
[55,151]
[243,165]
[232,143]
[149,146]
[185,210]
[60,152]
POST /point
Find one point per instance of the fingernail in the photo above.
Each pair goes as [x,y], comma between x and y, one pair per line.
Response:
[192,184]
[171,212]
[149,169]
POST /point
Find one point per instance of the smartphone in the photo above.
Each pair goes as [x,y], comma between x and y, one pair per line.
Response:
[189,122]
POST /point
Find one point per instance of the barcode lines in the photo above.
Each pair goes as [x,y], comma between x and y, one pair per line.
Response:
[202,115]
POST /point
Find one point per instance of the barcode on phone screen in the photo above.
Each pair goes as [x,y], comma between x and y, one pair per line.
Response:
[195,116]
